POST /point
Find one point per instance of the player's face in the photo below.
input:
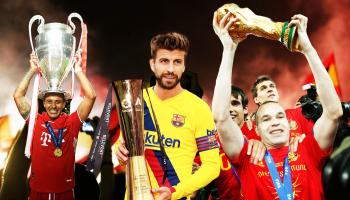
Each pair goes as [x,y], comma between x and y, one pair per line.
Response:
[272,125]
[54,104]
[266,91]
[237,110]
[168,67]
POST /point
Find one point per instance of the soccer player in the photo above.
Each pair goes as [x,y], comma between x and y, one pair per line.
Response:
[55,135]
[185,122]
[300,171]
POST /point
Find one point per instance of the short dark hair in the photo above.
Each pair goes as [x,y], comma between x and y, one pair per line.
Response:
[261,105]
[260,79]
[54,94]
[169,41]
[236,91]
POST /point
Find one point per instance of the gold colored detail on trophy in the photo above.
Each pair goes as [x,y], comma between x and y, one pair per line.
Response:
[251,24]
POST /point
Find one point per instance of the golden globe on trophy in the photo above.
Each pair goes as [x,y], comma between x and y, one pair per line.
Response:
[55,47]
[131,120]
[252,24]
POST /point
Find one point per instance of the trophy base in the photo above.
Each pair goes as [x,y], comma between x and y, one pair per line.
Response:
[137,179]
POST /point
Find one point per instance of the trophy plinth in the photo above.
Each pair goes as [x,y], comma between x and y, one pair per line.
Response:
[252,24]
[131,119]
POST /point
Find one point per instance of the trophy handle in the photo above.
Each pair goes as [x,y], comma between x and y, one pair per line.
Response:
[72,15]
[31,21]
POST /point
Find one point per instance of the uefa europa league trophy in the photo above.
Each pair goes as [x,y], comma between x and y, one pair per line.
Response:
[260,26]
[130,110]
[55,47]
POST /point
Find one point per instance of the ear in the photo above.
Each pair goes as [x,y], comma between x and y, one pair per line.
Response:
[256,100]
[151,64]
[245,110]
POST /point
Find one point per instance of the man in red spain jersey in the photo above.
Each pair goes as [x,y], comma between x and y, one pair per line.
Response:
[55,136]
[300,170]
[228,183]
[265,89]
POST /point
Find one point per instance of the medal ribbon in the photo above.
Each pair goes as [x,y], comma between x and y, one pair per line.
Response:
[101,136]
[56,141]
[284,190]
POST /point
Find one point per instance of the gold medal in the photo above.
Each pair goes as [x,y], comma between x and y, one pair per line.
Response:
[58,152]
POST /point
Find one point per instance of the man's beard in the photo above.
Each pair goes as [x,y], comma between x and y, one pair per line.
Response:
[164,85]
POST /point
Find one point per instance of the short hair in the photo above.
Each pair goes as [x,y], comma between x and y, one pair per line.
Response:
[169,41]
[260,79]
[54,94]
[236,91]
[261,105]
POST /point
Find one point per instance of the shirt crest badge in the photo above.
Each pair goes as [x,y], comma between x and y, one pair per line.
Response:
[293,125]
[178,120]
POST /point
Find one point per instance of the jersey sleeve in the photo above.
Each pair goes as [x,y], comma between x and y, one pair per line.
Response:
[209,155]
[75,123]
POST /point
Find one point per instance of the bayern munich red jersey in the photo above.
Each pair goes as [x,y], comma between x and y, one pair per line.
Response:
[48,172]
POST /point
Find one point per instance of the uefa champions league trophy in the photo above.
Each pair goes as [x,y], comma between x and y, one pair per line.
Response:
[250,23]
[130,111]
[55,46]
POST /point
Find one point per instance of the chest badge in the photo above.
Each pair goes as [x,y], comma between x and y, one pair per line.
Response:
[178,120]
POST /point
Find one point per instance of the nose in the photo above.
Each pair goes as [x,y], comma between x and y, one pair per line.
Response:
[275,122]
[170,68]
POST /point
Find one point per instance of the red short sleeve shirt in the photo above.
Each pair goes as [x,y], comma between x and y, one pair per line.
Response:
[48,172]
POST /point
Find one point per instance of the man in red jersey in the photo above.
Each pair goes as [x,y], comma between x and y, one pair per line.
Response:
[228,182]
[55,135]
[265,89]
[300,171]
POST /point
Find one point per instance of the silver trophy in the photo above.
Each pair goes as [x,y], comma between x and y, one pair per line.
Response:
[55,47]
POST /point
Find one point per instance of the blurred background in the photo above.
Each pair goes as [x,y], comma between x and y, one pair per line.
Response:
[118,47]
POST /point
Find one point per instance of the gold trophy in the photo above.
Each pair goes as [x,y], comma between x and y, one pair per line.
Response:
[130,111]
[260,26]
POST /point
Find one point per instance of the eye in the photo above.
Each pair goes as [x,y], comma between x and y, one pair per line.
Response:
[178,62]
[163,60]
[263,88]
[280,116]
[235,103]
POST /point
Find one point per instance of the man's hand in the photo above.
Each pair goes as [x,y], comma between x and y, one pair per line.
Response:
[164,193]
[300,21]
[34,62]
[122,153]
[294,141]
[77,65]
[221,29]
[256,150]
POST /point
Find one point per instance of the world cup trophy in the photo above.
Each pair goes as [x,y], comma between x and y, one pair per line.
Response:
[55,47]
[131,120]
[250,23]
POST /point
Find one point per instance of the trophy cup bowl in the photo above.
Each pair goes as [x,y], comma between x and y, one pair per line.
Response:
[55,47]
[131,119]
[252,24]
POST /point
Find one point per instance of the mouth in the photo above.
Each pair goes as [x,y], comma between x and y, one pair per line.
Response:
[271,95]
[276,132]
[170,77]
[53,112]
